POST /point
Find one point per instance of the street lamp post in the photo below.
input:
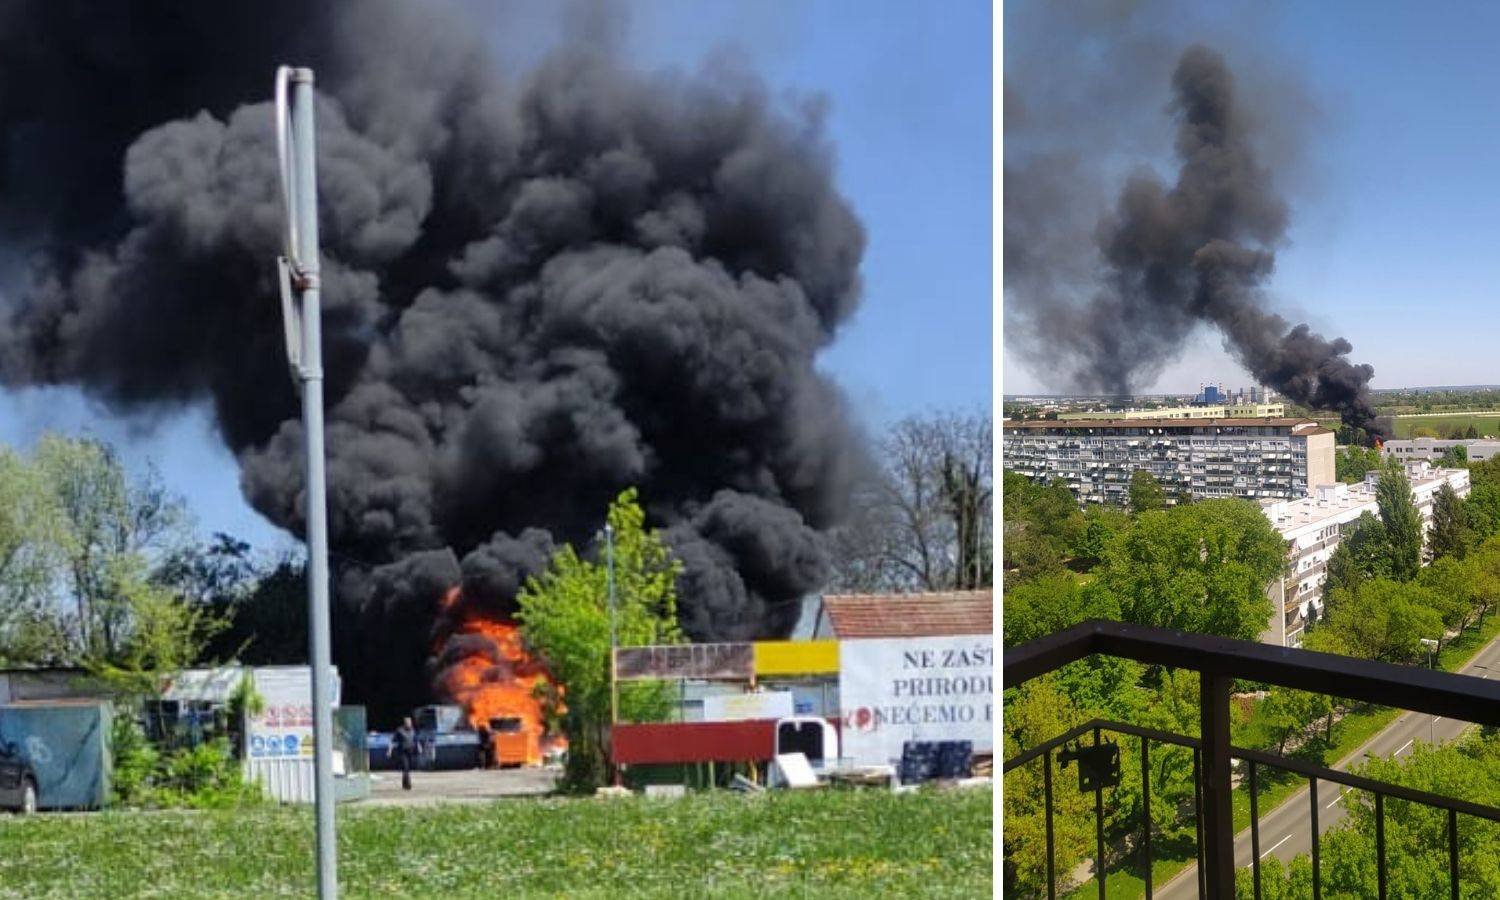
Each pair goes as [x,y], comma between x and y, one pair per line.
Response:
[1431,646]
[300,290]
[614,637]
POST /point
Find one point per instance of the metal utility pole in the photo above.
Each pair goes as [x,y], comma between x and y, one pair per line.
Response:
[609,568]
[300,287]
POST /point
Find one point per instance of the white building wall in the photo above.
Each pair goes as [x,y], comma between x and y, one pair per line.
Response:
[1313,528]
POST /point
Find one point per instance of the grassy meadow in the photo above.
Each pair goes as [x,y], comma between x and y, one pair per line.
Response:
[850,844]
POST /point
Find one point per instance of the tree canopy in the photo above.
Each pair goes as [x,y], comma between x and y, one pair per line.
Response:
[1403,526]
[1146,492]
[1203,567]
[565,616]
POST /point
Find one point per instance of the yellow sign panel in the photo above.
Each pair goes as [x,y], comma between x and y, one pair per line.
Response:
[796,658]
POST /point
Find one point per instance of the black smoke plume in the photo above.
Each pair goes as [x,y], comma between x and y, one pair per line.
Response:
[539,290]
[1171,258]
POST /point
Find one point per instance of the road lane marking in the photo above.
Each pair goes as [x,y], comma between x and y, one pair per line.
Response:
[1335,800]
[1277,844]
[1403,747]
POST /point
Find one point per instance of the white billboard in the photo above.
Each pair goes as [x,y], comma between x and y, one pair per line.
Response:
[283,728]
[757,705]
[915,689]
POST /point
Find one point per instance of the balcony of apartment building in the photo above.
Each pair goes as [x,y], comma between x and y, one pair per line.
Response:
[1218,768]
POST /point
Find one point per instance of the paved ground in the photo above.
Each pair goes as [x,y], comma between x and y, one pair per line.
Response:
[1286,831]
[465,786]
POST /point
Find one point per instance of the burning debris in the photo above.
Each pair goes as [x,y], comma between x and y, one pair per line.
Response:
[482,665]
[1171,258]
[539,290]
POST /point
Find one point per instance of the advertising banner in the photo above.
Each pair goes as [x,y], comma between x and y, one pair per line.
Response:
[915,689]
[706,661]
[283,729]
[738,707]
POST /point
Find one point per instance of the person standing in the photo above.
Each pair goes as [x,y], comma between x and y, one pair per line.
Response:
[404,742]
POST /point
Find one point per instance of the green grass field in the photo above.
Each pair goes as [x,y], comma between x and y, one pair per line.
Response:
[1443,423]
[807,844]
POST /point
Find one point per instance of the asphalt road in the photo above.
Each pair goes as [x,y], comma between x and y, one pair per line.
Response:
[1286,831]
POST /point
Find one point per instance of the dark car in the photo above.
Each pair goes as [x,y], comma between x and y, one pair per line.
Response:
[17,781]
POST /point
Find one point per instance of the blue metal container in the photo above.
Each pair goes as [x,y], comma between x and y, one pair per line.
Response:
[68,746]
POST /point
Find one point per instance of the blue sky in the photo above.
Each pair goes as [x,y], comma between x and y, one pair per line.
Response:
[1393,240]
[908,87]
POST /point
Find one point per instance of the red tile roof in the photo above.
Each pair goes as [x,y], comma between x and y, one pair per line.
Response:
[911,615]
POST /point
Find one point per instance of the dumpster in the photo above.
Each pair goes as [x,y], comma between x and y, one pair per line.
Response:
[67,744]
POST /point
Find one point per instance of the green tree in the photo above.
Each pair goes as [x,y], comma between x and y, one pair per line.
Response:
[1361,554]
[1051,603]
[565,616]
[1450,525]
[1403,525]
[1482,510]
[1452,584]
[33,540]
[1415,834]
[1381,619]
[162,633]
[1352,462]
[1454,458]
[1146,492]
[1203,567]
[1291,713]
[1100,525]
[1035,712]
[110,519]
[1041,523]
[1471,433]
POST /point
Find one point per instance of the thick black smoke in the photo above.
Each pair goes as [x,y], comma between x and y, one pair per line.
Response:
[1171,258]
[538,292]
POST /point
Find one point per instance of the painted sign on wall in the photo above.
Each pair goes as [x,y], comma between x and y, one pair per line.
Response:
[915,689]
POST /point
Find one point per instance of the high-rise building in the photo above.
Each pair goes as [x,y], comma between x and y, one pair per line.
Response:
[1205,458]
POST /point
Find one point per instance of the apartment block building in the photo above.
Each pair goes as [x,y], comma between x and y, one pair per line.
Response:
[1313,526]
[1252,458]
[1246,410]
[1407,450]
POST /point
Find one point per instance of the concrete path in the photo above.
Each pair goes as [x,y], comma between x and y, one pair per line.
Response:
[463,786]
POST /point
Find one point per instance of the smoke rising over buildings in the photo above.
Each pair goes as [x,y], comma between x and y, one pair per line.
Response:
[1110,302]
[538,291]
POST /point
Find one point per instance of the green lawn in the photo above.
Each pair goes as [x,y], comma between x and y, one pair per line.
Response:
[1443,423]
[807,844]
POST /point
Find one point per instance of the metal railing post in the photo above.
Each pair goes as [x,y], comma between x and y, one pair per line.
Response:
[1453,852]
[1099,826]
[1198,820]
[1218,800]
[1254,830]
[1380,846]
[1146,812]
[1317,880]
[1047,791]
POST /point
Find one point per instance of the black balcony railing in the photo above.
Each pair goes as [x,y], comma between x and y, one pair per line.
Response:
[1219,661]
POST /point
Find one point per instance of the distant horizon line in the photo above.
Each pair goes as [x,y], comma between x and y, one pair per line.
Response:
[1188,393]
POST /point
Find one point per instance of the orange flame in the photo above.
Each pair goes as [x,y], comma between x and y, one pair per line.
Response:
[487,691]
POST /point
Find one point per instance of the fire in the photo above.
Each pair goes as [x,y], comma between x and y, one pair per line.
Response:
[498,680]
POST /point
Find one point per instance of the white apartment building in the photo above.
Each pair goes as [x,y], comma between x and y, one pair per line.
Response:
[1312,528]
[1478,449]
[1252,458]
[1214,411]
